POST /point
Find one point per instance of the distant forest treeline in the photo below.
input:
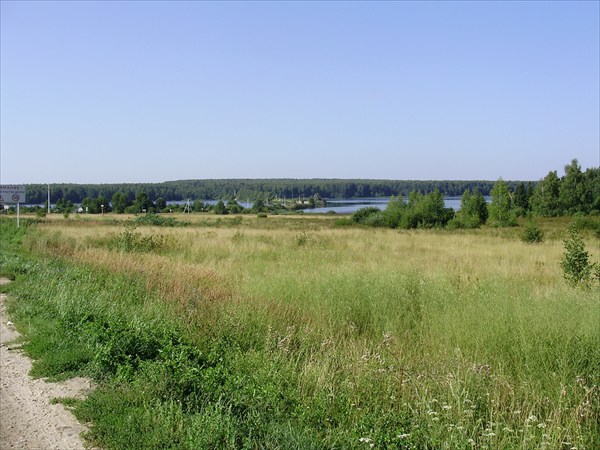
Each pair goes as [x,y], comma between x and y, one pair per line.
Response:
[254,189]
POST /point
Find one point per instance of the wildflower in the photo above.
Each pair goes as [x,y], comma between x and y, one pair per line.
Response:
[541,425]
[446,407]
[365,439]
[403,435]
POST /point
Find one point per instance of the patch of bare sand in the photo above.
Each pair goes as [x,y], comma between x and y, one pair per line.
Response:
[28,419]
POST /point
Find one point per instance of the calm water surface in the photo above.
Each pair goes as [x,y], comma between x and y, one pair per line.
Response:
[347,205]
[350,205]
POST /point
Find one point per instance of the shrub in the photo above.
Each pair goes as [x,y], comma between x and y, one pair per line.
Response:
[376,220]
[157,221]
[344,222]
[131,241]
[361,215]
[532,234]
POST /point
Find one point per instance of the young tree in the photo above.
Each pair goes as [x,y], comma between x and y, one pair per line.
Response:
[234,207]
[521,198]
[575,263]
[161,203]
[500,210]
[473,210]
[220,208]
[259,205]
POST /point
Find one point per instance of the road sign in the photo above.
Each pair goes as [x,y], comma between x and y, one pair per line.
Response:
[12,193]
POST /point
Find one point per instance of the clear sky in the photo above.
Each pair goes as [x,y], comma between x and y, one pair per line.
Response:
[102,92]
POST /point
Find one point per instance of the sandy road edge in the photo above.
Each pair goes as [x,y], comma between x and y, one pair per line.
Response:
[29,421]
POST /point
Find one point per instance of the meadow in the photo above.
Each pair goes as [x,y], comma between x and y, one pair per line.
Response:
[306,332]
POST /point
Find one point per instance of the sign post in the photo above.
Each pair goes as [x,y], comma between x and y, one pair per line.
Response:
[13,194]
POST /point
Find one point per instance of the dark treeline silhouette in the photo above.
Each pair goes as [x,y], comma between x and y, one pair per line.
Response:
[253,189]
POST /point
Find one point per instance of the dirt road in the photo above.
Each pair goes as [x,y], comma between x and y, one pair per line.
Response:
[27,419]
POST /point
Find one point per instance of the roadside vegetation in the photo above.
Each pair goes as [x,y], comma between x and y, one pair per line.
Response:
[296,332]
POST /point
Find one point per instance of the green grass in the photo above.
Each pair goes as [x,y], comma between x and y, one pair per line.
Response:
[294,333]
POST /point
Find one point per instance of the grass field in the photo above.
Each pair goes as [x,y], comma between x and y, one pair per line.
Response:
[300,332]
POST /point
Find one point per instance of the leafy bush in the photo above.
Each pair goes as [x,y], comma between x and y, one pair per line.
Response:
[361,215]
[132,241]
[376,220]
[532,234]
[158,221]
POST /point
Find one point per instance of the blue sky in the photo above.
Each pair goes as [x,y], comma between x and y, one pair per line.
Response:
[102,92]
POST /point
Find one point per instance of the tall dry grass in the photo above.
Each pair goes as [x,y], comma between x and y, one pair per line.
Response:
[473,336]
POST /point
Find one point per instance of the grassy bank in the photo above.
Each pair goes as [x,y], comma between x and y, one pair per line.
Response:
[292,332]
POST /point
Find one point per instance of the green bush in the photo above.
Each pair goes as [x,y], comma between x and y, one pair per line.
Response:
[361,215]
[532,234]
[158,221]
[132,241]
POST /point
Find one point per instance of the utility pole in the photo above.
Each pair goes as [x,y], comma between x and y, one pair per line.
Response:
[48,198]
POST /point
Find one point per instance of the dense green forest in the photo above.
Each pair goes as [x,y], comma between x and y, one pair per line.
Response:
[253,189]
[576,191]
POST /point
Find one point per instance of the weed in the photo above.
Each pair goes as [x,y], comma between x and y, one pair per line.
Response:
[302,239]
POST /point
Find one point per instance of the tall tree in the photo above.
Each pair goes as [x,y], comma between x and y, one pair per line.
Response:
[521,200]
[143,202]
[544,201]
[571,192]
[119,202]
[500,210]
[473,210]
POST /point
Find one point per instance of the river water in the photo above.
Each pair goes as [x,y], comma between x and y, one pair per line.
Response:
[350,205]
[347,205]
